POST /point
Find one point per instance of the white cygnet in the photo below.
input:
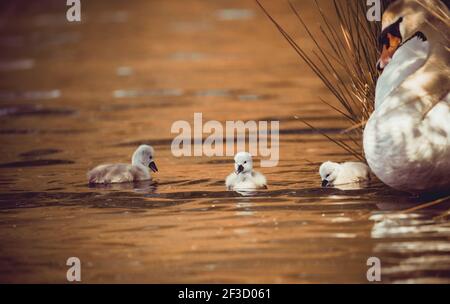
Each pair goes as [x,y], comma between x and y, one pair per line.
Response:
[334,174]
[245,178]
[141,161]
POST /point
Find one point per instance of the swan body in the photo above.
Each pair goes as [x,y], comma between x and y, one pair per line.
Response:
[138,170]
[407,138]
[407,152]
[334,174]
[245,178]
[408,59]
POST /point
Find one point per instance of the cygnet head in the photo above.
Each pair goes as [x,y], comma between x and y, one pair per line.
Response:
[243,162]
[329,172]
[144,156]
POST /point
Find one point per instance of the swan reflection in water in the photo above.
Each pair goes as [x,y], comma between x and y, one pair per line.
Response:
[147,186]
[417,248]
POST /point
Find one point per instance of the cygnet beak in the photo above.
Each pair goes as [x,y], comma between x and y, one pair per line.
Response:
[240,169]
[324,183]
[153,167]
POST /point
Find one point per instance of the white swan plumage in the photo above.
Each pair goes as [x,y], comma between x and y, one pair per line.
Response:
[406,60]
[407,138]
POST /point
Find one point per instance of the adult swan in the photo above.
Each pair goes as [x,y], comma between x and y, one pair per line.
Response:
[407,138]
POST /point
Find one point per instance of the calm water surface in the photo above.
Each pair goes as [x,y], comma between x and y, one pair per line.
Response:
[76,95]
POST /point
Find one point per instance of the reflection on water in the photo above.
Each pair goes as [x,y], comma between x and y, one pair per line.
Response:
[419,250]
[66,110]
[124,71]
[146,93]
[187,56]
[234,14]
[114,17]
[19,64]
[30,95]
[352,186]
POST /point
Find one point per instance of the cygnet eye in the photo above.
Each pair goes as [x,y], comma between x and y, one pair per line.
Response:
[327,175]
[245,162]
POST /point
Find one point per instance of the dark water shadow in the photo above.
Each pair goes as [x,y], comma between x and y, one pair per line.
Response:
[39,152]
[34,110]
[301,131]
[150,104]
[220,161]
[36,163]
[37,131]
[145,195]
[116,199]
[298,118]
[148,186]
